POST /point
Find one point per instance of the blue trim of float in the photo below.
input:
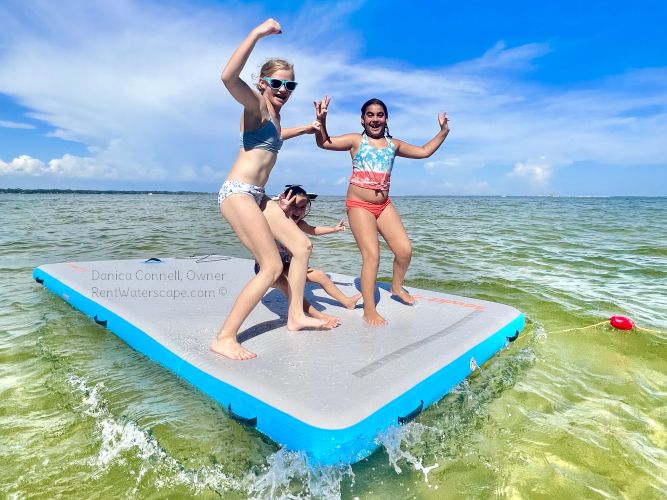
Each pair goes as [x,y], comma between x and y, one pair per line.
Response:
[323,446]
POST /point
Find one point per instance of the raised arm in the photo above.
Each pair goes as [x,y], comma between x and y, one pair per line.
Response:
[230,76]
[407,150]
[322,138]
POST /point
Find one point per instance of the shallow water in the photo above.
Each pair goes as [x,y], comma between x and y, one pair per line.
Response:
[578,413]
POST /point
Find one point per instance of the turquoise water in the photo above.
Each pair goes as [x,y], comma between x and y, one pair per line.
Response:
[561,414]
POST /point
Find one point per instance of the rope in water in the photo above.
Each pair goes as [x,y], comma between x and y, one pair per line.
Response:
[642,329]
[582,327]
[634,327]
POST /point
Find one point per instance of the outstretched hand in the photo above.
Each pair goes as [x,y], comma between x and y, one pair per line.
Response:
[340,226]
[268,27]
[443,121]
[321,108]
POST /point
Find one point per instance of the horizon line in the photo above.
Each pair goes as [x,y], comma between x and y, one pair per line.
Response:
[184,192]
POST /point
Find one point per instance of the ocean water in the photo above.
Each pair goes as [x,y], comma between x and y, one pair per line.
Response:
[565,412]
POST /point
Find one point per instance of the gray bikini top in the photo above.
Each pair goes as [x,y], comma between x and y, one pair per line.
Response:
[266,137]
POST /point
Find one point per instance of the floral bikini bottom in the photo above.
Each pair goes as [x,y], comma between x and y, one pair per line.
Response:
[234,187]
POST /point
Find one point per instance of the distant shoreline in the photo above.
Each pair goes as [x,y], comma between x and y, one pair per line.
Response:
[90,191]
[149,192]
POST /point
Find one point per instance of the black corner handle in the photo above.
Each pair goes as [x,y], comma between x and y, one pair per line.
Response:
[152,259]
[252,422]
[39,280]
[512,339]
[412,415]
[102,322]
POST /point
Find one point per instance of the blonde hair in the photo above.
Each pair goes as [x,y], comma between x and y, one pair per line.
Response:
[271,66]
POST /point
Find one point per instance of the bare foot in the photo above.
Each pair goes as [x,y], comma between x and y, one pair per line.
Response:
[404,296]
[305,322]
[374,319]
[351,302]
[333,321]
[230,348]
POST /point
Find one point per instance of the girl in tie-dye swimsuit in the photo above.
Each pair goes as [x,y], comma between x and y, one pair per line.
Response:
[370,211]
[257,220]
[371,169]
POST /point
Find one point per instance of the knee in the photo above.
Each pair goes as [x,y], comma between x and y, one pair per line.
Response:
[271,270]
[404,253]
[371,258]
[316,275]
[302,249]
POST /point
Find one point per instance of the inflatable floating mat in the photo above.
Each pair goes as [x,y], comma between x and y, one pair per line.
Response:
[328,393]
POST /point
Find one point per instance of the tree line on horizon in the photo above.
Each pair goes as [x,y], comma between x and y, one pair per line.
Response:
[89,191]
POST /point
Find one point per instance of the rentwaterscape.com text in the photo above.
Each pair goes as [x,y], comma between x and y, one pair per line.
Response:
[163,293]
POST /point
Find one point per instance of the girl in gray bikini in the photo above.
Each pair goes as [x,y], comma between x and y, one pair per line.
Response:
[257,220]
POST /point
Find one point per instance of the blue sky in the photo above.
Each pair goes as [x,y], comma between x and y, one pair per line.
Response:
[566,97]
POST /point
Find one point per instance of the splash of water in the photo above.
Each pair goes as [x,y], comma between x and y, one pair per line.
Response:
[286,475]
[289,475]
[120,437]
[393,439]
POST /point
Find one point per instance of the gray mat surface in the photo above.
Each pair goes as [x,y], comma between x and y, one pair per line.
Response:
[329,379]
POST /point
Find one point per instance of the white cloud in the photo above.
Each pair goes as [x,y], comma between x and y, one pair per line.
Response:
[127,74]
[500,57]
[536,173]
[435,167]
[138,85]
[23,165]
[11,124]
[77,167]
[67,166]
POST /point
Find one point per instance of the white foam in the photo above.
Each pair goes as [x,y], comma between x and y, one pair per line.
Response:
[408,434]
[286,474]
[289,475]
[119,436]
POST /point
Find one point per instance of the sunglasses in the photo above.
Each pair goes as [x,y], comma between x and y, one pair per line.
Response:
[275,83]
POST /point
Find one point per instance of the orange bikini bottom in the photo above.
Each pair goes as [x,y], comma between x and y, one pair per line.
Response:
[375,208]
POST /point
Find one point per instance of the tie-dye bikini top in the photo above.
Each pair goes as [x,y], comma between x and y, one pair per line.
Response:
[371,167]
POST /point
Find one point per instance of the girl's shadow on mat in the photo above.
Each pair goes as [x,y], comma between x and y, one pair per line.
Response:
[276,302]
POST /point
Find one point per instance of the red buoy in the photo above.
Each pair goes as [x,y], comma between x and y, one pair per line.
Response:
[621,322]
